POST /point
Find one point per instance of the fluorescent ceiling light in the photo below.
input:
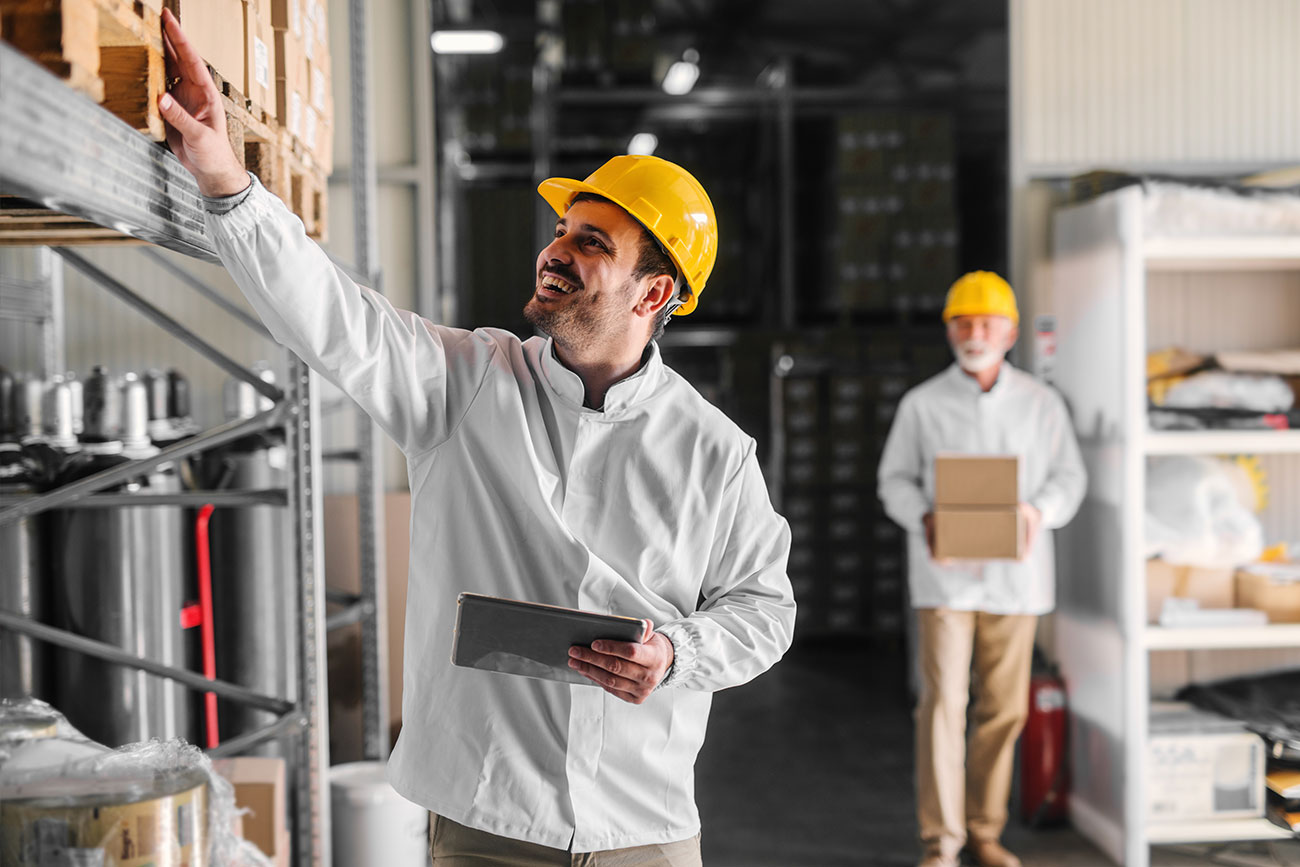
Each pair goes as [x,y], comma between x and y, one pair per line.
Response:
[643,143]
[466,41]
[681,77]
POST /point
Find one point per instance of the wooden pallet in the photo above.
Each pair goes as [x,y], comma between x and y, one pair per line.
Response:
[110,50]
[264,149]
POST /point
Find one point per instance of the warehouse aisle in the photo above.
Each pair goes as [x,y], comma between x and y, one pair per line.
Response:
[811,766]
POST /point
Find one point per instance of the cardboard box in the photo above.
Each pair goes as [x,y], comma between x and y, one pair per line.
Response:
[291,82]
[287,15]
[1271,588]
[216,27]
[979,533]
[259,56]
[976,480]
[1197,771]
[1212,588]
[260,787]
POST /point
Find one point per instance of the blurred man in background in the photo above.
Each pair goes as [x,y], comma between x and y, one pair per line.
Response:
[977,614]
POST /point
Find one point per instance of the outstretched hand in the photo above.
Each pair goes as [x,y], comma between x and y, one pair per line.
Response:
[195,117]
[623,669]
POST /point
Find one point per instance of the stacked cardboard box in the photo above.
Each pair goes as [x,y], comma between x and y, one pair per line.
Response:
[847,556]
[608,41]
[303,97]
[976,508]
[895,212]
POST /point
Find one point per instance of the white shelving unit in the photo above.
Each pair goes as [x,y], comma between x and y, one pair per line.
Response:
[1118,293]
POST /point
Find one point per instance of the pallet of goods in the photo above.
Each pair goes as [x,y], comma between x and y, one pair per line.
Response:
[269,59]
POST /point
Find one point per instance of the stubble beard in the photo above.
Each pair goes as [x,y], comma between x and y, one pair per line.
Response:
[574,324]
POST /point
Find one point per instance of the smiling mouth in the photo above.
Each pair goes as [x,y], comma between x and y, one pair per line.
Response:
[557,284]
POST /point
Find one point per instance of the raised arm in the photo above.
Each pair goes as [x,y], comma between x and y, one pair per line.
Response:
[416,379]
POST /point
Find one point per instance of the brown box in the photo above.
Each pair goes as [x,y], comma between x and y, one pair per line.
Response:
[979,533]
[976,480]
[1213,588]
[291,80]
[287,15]
[260,66]
[1272,589]
[260,787]
[216,27]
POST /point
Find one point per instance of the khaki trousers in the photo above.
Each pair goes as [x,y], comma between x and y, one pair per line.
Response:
[962,789]
[454,845]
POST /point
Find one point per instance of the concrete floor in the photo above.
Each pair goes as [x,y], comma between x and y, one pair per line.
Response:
[811,766]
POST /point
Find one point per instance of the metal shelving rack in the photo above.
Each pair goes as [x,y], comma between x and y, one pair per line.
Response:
[67,153]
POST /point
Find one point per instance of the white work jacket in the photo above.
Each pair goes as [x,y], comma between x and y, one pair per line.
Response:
[654,507]
[1018,416]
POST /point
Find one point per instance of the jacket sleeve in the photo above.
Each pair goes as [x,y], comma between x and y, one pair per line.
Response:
[901,477]
[746,620]
[414,378]
[1060,495]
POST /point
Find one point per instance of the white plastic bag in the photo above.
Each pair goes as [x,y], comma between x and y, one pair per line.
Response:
[1195,514]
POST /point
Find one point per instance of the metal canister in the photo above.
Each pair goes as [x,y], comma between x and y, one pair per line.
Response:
[58,415]
[29,407]
[253,604]
[27,725]
[151,819]
[7,420]
[118,577]
[75,389]
[101,407]
[22,659]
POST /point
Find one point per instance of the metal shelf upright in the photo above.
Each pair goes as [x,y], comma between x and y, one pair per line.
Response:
[61,150]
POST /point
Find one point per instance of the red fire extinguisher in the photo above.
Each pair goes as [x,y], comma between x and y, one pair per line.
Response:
[1044,764]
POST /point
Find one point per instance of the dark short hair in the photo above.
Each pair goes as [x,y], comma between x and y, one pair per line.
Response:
[652,261]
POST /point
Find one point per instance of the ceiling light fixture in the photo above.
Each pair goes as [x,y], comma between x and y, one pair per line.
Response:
[466,41]
[683,74]
[643,143]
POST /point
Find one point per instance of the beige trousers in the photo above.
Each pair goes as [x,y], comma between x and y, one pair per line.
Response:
[962,788]
[454,845]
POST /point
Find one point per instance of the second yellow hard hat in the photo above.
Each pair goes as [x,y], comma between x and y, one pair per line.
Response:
[981,293]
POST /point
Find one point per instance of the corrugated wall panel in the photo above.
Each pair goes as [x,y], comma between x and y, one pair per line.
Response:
[1157,82]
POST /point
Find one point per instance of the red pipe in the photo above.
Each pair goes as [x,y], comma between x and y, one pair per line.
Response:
[205,607]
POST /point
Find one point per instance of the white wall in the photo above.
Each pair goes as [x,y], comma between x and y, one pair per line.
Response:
[1171,86]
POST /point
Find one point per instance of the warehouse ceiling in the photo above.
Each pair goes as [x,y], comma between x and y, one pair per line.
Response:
[898,47]
[907,44]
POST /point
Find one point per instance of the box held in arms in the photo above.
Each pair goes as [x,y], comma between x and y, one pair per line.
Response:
[976,508]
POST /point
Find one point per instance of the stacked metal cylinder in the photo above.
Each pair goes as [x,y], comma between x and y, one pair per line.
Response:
[122,575]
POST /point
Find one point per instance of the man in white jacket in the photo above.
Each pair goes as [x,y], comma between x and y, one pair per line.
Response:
[970,613]
[576,470]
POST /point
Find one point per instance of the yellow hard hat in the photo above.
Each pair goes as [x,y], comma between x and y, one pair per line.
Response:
[981,293]
[663,197]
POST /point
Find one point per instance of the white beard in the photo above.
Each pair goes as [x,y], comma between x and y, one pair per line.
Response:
[976,356]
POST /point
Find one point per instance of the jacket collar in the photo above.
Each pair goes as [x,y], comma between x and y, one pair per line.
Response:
[968,384]
[621,396]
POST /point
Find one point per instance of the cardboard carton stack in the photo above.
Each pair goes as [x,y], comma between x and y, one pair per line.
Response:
[895,212]
[976,508]
[302,78]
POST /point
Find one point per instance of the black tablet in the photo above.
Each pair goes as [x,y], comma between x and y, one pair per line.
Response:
[531,639]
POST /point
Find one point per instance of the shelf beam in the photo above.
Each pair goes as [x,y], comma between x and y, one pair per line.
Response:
[70,155]
[1215,831]
[1222,442]
[1222,637]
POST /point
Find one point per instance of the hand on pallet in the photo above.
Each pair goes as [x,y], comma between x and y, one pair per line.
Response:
[196,118]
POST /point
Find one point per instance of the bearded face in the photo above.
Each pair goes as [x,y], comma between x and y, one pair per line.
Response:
[584,291]
[980,342]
